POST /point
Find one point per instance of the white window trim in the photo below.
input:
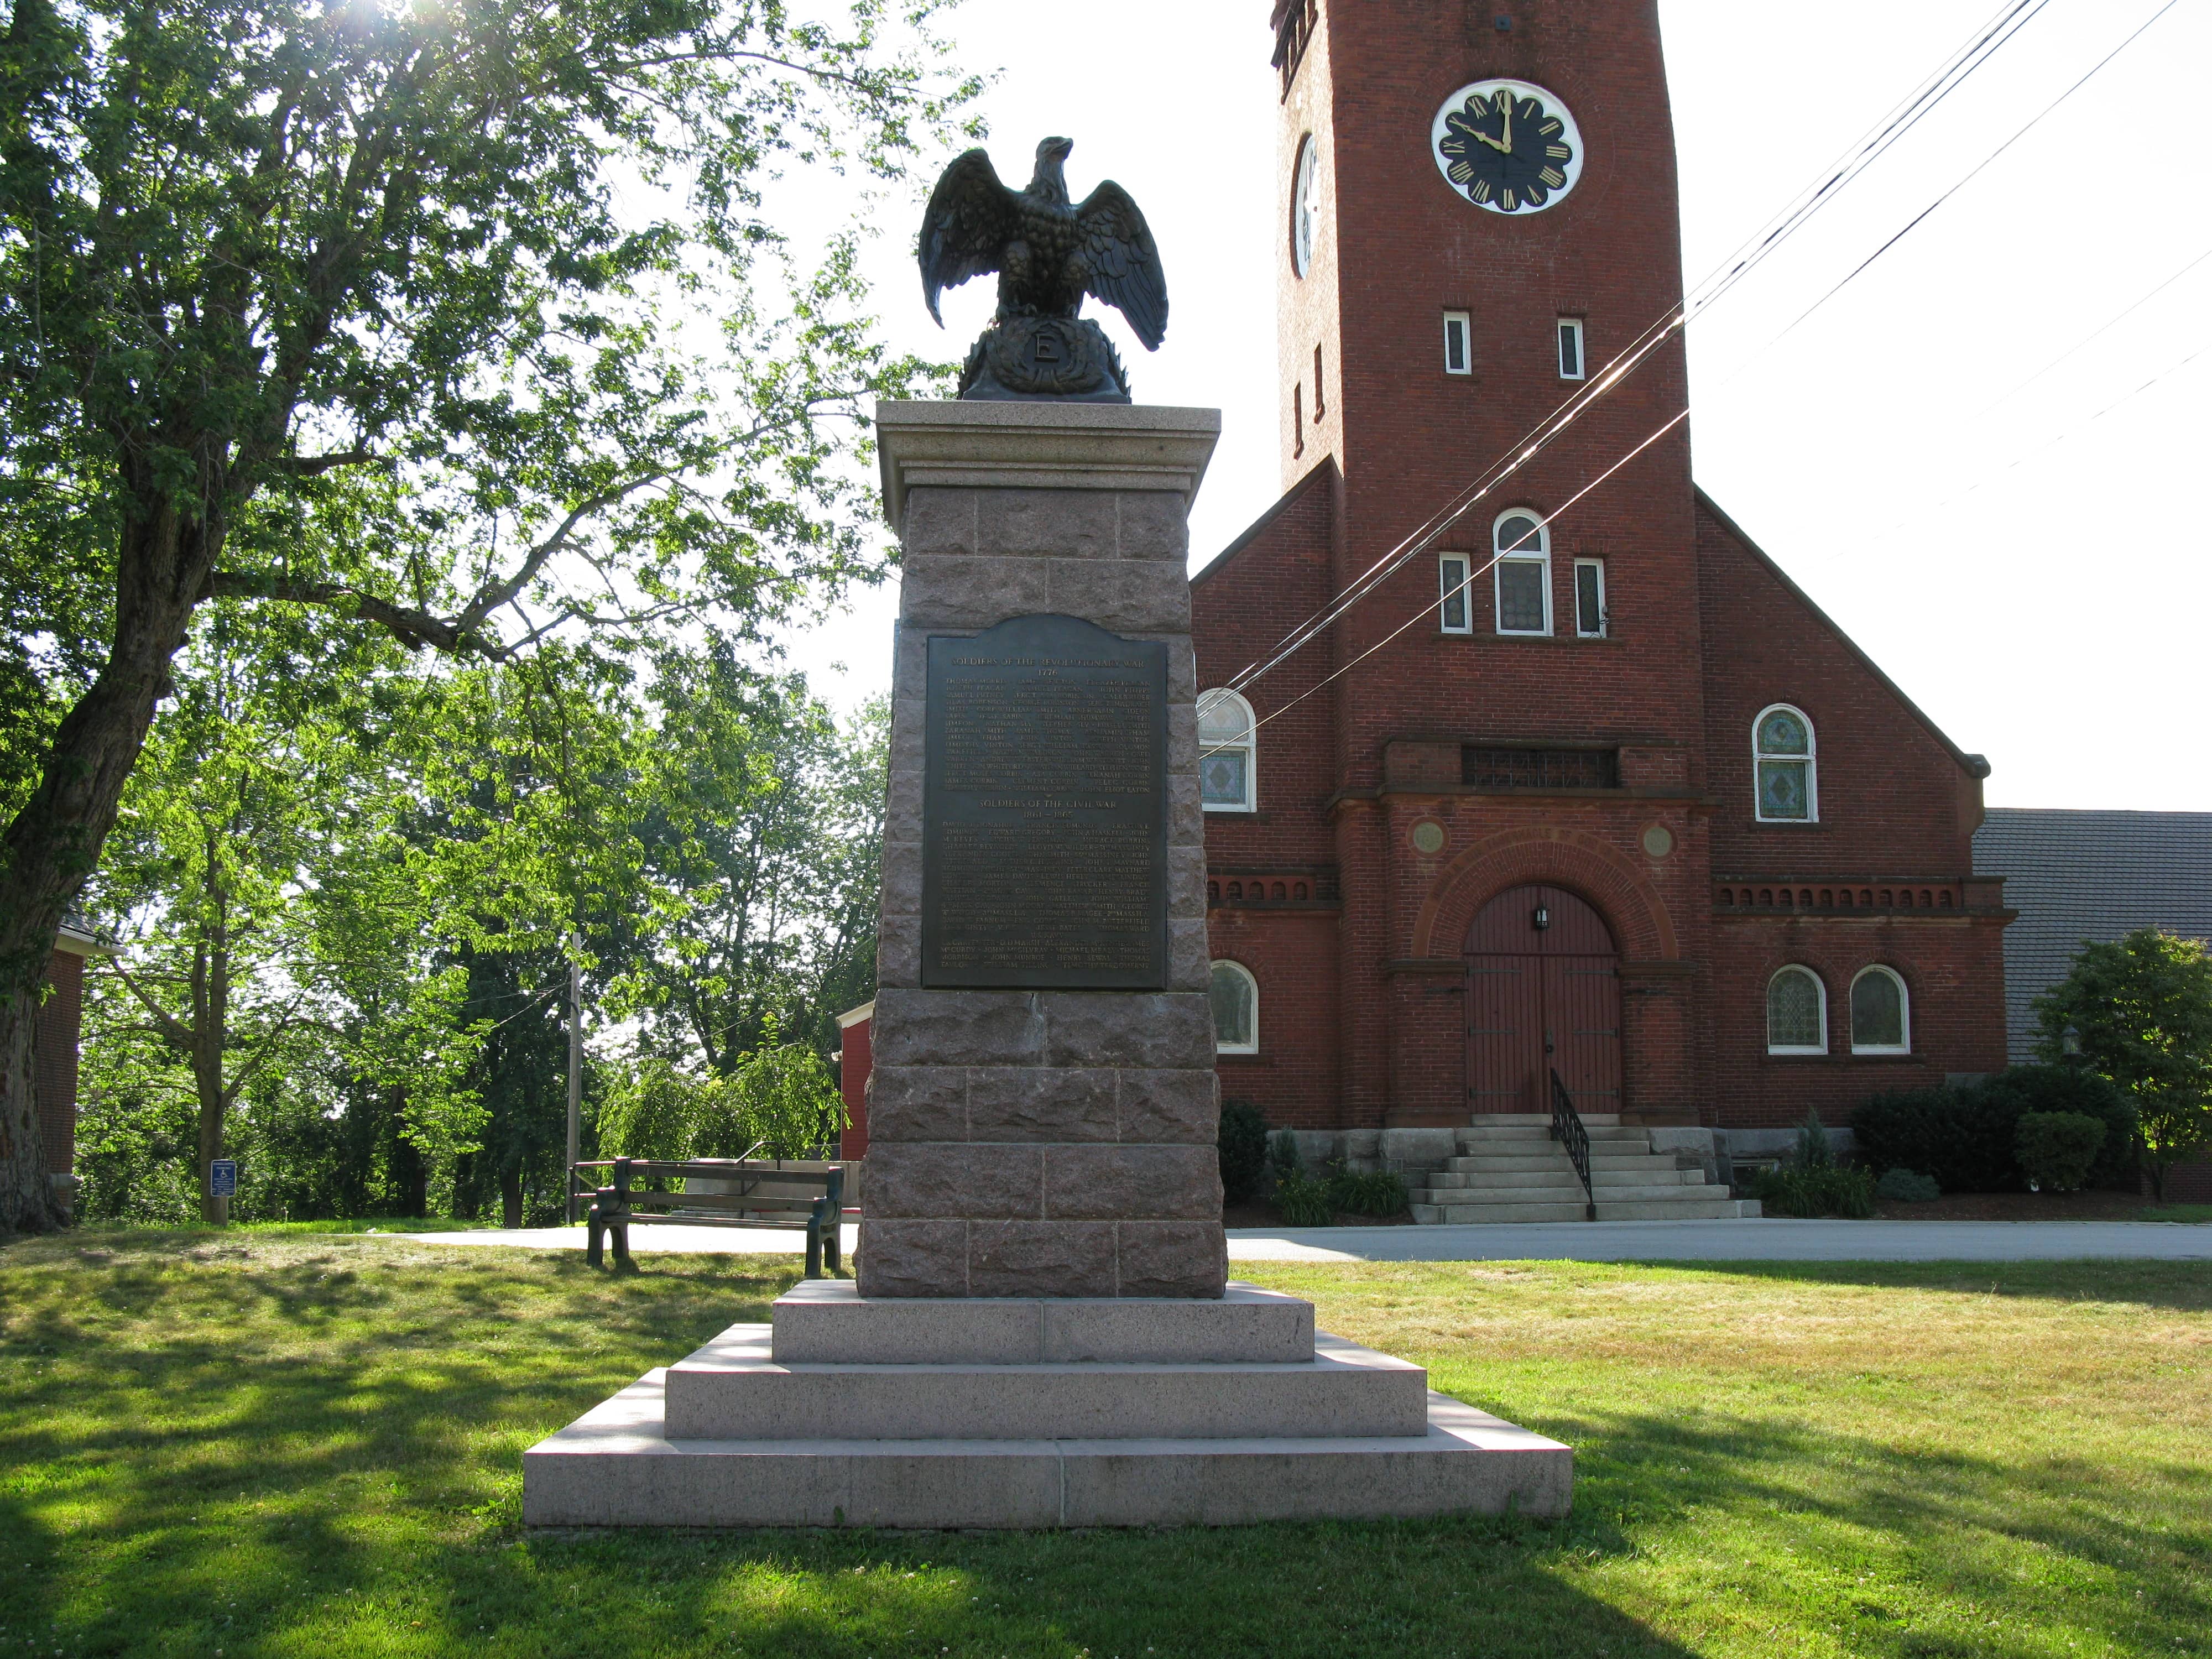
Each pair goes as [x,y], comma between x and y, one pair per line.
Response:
[1766,1015]
[1542,557]
[1904,1012]
[1572,325]
[1465,582]
[1250,746]
[1466,321]
[1253,984]
[1811,758]
[1604,619]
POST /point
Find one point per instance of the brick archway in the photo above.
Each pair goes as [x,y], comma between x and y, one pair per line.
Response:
[1563,858]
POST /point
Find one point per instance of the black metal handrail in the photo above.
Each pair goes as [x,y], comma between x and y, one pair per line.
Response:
[1567,1128]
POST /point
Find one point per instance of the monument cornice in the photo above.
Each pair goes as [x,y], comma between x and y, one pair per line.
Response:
[1025,446]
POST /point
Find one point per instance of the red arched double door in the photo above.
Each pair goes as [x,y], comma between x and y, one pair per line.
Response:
[1543,994]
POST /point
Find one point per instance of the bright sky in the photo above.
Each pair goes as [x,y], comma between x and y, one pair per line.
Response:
[2013,543]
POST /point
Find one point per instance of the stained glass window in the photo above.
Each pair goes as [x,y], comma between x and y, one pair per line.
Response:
[1878,1021]
[1795,1021]
[1227,752]
[1524,575]
[1782,743]
[1235,998]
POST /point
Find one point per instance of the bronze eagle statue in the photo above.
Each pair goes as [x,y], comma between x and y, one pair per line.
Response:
[1048,253]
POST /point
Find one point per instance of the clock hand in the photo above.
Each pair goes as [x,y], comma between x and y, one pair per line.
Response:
[1505,122]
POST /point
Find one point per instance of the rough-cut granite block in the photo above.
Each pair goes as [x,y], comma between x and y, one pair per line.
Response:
[1105,1183]
[1128,599]
[898,952]
[1107,1028]
[902,877]
[1042,1103]
[917,1102]
[1186,882]
[1154,525]
[957,1028]
[902,808]
[1171,1258]
[1040,1258]
[1047,524]
[917,1180]
[1186,813]
[1171,1107]
[939,520]
[1190,961]
[950,593]
[908,716]
[912,1258]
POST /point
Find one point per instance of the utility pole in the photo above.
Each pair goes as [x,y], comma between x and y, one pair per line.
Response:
[575,1075]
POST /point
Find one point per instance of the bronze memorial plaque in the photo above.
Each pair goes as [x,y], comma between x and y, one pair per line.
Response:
[1044,845]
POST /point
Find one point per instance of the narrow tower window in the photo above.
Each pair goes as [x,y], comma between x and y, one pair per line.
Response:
[1589,599]
[1458,360]
[1319,404]
[1571,348]
[1451,584]
[1523,573]
[1298,420]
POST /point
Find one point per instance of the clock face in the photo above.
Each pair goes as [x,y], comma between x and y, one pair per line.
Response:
[1305,205]
[1507,146]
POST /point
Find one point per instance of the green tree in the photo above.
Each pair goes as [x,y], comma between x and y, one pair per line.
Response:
[269,907]
[367,309]
[763,843]
[2142,1007]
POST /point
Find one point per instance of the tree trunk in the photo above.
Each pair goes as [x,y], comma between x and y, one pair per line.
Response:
[28,1201]
[510,1196]
[163,561]
[215,1212]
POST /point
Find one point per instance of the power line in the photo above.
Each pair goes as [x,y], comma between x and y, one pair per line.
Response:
[1545,524]
[2096,335]
[1918,218]
[2002,28]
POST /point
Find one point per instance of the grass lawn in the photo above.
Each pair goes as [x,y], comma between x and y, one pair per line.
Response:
[268,1444]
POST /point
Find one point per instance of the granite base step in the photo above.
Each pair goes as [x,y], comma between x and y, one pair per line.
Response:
[616,1466]
[734,1388]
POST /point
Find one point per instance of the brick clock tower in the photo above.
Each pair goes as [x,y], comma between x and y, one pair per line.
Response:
[1588,787]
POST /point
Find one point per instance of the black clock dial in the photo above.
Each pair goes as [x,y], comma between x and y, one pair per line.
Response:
[1508,149]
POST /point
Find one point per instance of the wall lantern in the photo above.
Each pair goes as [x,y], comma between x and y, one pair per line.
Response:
[1543,918]
[2069,1042]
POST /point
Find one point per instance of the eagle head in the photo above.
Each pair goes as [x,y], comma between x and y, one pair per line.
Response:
[1049,181]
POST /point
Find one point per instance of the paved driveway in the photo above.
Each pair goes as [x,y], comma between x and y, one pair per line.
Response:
[1544,1240]
[1773,1240]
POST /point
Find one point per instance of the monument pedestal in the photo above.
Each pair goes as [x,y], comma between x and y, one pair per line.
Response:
[1041,1334]
[987,1412]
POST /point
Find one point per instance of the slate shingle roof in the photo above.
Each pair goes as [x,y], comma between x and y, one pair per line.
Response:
[2078,876]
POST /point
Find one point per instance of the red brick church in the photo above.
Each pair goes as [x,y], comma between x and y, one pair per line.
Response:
[1620,801]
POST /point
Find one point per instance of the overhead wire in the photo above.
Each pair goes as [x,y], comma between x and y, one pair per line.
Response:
[1920,217]
[2003,26]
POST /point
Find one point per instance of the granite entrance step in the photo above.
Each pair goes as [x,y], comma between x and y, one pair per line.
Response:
[1513,1170]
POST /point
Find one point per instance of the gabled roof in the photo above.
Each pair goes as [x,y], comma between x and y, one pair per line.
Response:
[2075,876]
[1973,765]
[1325,466]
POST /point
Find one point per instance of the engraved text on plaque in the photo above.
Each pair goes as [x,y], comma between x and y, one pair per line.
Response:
[1044,810]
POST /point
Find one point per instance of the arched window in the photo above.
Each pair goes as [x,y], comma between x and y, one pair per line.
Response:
[1226,752]
[1782,757]
[1796,1013]
[1236,996]
[1881,1013]
[1523,577]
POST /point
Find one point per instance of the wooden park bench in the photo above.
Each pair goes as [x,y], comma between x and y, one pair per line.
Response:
[757,1193]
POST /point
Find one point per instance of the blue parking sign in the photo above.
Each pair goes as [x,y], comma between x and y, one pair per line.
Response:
[223,1178]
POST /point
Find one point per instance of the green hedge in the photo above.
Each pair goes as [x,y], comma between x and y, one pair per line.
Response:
[1828,1190]
[1243,1142]
[1966,1138]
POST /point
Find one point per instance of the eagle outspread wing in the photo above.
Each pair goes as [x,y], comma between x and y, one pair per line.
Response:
[971,217]
[1123,263]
